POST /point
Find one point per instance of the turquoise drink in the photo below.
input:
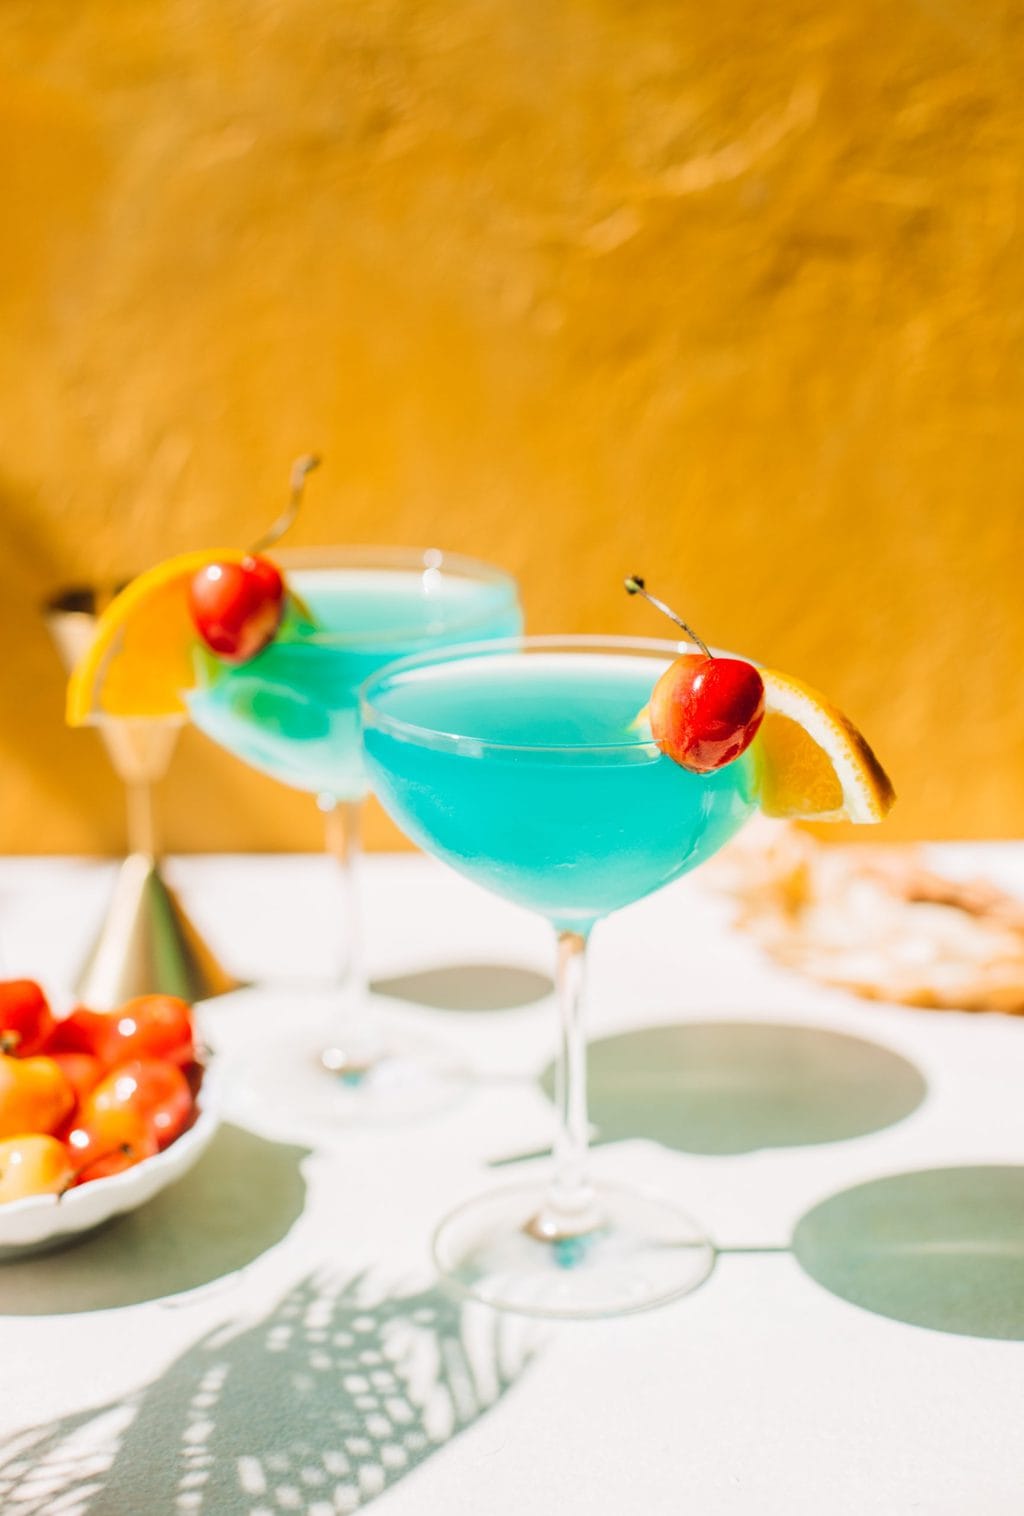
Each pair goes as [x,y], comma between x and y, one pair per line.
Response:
[292,712]
[531,775]
[529,766]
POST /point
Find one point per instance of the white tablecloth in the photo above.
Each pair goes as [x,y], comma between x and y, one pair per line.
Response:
[311,1364]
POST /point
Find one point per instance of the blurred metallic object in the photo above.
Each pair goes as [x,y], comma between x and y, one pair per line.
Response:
[146,943]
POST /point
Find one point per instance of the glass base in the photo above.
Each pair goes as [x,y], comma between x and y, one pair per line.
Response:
[643,1253]
[305,1085]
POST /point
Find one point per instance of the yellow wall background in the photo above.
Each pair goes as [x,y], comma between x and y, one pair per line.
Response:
[732,295]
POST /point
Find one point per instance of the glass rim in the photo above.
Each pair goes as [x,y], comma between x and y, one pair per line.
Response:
[461,742]
[370,556]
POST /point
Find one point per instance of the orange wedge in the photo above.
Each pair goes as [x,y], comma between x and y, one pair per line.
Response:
[814,763]
[140,659]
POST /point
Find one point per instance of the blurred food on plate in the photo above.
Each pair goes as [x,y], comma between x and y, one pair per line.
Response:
[878,920]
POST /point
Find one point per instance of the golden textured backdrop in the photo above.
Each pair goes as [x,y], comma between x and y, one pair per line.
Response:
[732,295]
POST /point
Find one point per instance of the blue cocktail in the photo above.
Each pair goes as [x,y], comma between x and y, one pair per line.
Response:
[293,713]
[528,766]
[563,805]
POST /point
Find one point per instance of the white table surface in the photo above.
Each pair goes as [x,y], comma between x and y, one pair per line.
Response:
[762,1393]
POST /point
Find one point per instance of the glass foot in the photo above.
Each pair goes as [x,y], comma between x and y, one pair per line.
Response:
[303,1084]
[642,1253]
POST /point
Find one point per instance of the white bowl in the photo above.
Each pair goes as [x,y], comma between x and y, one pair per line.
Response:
[39,1222]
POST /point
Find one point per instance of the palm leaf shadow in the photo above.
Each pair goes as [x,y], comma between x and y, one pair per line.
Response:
[318,1407]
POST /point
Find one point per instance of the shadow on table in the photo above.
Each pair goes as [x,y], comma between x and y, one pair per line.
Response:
[469,987]
[723,1087]
[242,1197]
[319,1407]
[941,1248]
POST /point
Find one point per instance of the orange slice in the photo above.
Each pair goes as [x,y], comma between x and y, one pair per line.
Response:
[140,658]
[814,763]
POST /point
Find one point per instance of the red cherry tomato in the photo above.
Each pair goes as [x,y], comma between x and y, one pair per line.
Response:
[26,1020]
[157,1090]
[81,1032]
[151,1026]
[109,1142]
[237,607]
[33,1164]
[81,1070]
[34,1096]
[705,712]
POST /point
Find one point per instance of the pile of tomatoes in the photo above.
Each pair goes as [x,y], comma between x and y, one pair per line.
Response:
[92,1093]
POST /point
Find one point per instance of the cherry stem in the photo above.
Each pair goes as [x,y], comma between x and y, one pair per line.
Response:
[636,586]
[297,484]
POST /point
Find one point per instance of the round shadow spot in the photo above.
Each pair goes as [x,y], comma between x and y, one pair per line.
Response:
[943,1248]
[242,1197]
[469,987]
[733,1086]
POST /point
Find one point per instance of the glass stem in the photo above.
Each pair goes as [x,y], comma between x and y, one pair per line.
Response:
[141,817]
[354,1037]
[570,1208]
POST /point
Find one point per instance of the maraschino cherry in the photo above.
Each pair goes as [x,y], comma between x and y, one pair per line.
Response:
[704,711]
[237,607]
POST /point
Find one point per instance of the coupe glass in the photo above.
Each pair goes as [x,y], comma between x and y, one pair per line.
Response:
[523,765]
[293,713]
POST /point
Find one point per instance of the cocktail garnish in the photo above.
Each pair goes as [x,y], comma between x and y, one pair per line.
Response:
[301,468]
[142,656]
[704,710]
[813,763]
[237,606]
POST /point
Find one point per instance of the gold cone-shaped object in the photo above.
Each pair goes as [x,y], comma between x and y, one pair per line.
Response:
[146,944]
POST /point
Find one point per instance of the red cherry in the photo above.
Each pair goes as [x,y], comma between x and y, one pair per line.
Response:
[706,711]
[237,607]
[157,1090]
[26,1020]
